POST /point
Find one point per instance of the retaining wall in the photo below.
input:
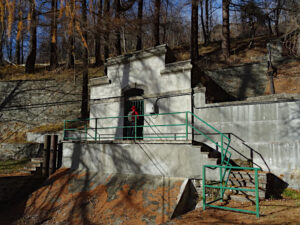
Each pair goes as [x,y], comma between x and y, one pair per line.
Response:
[264,131]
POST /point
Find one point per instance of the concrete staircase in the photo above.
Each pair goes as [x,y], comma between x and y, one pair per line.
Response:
[34,167]
[246,179]
[242,179]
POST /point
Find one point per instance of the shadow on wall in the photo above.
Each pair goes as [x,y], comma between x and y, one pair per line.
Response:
[85,197]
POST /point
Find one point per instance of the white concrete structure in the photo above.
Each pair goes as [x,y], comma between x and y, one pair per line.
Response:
[164,88]
[264,131]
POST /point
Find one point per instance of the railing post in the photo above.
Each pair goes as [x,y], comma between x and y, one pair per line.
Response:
[221,183]
[46,155]
[95,129]
[256,194]
[222,152]
[203,188]
[64,132]
[85,128]
[53,154]
[186,126]
[135,127]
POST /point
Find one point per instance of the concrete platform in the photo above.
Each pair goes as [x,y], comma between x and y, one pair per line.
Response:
[77,197]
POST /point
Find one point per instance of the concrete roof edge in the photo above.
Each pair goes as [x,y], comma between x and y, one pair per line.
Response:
[122,59]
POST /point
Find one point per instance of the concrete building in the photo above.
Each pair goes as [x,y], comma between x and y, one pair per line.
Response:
[174,101]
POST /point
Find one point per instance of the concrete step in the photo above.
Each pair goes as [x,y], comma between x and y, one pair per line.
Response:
[26,171]
[247,178]
[261,192]
[37,160]
[246,183]
[30,168]
[242,198]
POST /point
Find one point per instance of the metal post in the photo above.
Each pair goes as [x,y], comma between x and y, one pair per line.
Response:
[222,152]
[85,128]
[186,125]
[64,132]
[53,149]
[256,194]
[59,155]
[95,129]
[135,117]
[203,188]
[221,183]
[46,155]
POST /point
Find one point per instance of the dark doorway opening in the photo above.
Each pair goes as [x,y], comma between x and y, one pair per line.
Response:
[131,99]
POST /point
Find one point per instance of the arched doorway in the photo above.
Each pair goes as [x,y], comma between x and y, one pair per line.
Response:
[132,97]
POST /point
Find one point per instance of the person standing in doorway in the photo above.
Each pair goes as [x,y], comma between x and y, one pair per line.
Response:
[132,116]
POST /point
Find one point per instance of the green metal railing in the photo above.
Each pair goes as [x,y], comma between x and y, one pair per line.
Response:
[84,132]
[224,187]
[97,132]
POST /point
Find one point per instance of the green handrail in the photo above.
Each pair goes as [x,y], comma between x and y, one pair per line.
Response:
[224,187]
[225,167]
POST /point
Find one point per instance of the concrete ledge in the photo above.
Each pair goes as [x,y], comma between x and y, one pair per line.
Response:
[134,142]
[177,67]
[138,55]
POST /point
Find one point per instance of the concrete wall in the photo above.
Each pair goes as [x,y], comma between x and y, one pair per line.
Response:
[19,151]
[171,160]
[166,85]
[26,104]
[265,132]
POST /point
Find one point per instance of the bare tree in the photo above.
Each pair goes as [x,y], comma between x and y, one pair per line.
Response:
[107,33]
[194,31]
[225,28]
[156,23]
[71,36]
[53,36]
[85,96]
[30,62]
[139,43]
[98,60]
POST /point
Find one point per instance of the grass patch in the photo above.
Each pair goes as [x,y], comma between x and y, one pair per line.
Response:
[48,128]
[291,194]
[12,166]
[17,72]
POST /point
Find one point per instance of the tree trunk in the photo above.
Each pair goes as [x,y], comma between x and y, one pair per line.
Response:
[18,52]
[71,40]
[30,62]
[269,26]
[22,50]
[225,29]
[106,34]
[85,94]
[98,61]
[277,11]
[139,43]
[194,31]
[70,58]
[156,23]
[19,34]
[118,34]
[53,36]
[202,22]
[165,22]
[206,22]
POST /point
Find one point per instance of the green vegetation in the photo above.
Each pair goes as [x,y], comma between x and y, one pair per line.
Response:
[291,194]
[12,166]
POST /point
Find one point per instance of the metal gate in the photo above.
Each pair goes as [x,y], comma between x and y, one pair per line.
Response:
[139,104]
